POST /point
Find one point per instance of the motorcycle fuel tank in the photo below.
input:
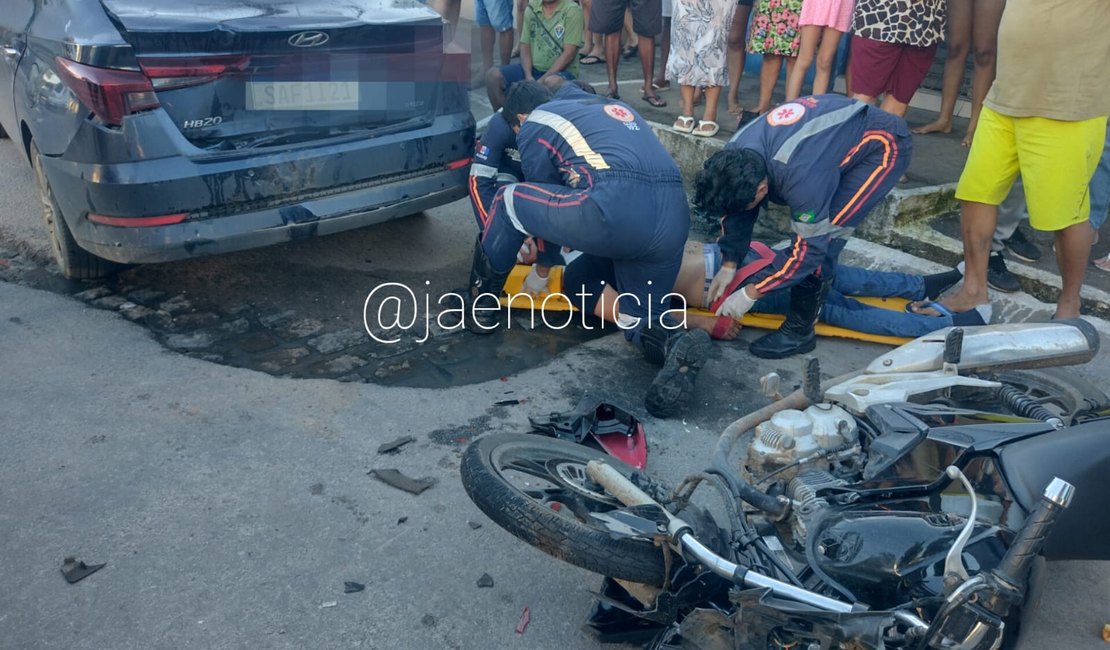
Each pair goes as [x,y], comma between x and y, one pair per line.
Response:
[885,557]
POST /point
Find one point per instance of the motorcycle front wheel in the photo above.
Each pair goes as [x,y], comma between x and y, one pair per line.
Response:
[537,489]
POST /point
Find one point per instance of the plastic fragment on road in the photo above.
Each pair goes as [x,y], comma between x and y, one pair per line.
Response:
[330,603]
[525,618]
[395,478]
[394,445]
[474,525]
[485,582]
[75,570]
[350,587]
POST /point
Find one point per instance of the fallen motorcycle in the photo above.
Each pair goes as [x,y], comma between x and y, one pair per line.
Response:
[910,505]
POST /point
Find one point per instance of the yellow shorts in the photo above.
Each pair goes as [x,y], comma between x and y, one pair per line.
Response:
[1056,160]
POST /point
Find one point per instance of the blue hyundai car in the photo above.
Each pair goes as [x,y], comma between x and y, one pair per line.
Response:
[160,130]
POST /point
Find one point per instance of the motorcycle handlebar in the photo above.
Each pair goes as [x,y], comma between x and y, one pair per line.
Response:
[1015,564]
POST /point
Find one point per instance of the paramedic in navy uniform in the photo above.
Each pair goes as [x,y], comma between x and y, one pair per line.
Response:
[597,181]
[830,160]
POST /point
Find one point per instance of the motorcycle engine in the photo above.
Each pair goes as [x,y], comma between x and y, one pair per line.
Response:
[823,436]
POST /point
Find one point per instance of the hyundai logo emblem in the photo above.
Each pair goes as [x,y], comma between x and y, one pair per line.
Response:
[308,39]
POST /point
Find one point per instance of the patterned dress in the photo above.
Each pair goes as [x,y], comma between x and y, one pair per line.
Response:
[775,28]
[699,37]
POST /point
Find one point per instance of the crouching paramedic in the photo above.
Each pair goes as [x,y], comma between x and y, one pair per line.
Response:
[598,182]
[497,163]
[828,158]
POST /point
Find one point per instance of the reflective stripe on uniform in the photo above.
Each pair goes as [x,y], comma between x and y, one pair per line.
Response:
[820,229]
[510,208]
[483,171]
[571,134]
[815,126]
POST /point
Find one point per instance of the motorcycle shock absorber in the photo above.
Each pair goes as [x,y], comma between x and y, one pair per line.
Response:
[1024,406]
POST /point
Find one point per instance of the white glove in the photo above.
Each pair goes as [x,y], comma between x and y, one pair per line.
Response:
[535,284]
[720,283]
[736,305]
[527,252]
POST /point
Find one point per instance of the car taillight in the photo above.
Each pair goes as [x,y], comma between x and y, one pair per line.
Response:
[168,73]
[138,222]
[109,93]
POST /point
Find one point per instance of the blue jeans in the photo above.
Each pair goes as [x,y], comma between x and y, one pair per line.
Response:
[842,311]
[1100,188]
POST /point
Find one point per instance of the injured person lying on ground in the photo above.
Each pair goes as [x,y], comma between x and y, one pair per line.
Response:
[701,261]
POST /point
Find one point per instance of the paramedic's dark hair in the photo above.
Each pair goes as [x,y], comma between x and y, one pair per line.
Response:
[523,98]
[727,182]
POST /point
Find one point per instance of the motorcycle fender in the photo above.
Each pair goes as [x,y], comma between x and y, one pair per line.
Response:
[630,449]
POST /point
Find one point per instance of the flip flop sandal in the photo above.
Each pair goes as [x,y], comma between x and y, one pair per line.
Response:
[684,124]
[654,100]
[629,53]
[979,315]
[713,129]
[661,87]
[1102,263]
[613,95]
[591,59]
[721,327]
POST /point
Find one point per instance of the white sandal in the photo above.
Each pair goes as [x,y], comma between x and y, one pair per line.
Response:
[714,128]
[684,124]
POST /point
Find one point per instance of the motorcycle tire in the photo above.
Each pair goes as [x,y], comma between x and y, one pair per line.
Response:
[555,519]
[1059,388]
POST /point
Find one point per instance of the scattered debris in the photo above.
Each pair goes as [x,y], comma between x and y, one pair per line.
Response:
[509,402]
[75,571]
[352,587]
[475,525]
[428,620]
[522,623]
[485,582]
[395,478]
[330,603]
[401,520]
[390,447]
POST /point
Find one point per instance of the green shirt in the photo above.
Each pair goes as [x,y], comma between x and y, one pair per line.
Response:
[547,36]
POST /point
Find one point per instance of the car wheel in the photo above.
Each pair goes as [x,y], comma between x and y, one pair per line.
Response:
[75,262]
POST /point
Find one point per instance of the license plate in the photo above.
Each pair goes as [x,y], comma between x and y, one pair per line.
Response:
[302,95]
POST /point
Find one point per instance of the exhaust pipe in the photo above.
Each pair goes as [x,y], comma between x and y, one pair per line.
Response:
[997,347]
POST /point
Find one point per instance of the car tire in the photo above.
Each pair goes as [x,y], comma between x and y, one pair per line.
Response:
[74,262]
[3,133]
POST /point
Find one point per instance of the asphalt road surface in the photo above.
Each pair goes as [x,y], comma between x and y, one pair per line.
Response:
[231,504]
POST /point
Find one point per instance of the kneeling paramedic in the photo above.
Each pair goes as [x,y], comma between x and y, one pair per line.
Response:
[598,182]
[831,160]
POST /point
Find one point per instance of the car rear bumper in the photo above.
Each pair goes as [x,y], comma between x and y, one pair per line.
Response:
[275,225]
[252,199]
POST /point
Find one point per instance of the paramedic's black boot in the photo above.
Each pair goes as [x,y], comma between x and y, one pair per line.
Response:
[682,354]
[795,335]
[482,304]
